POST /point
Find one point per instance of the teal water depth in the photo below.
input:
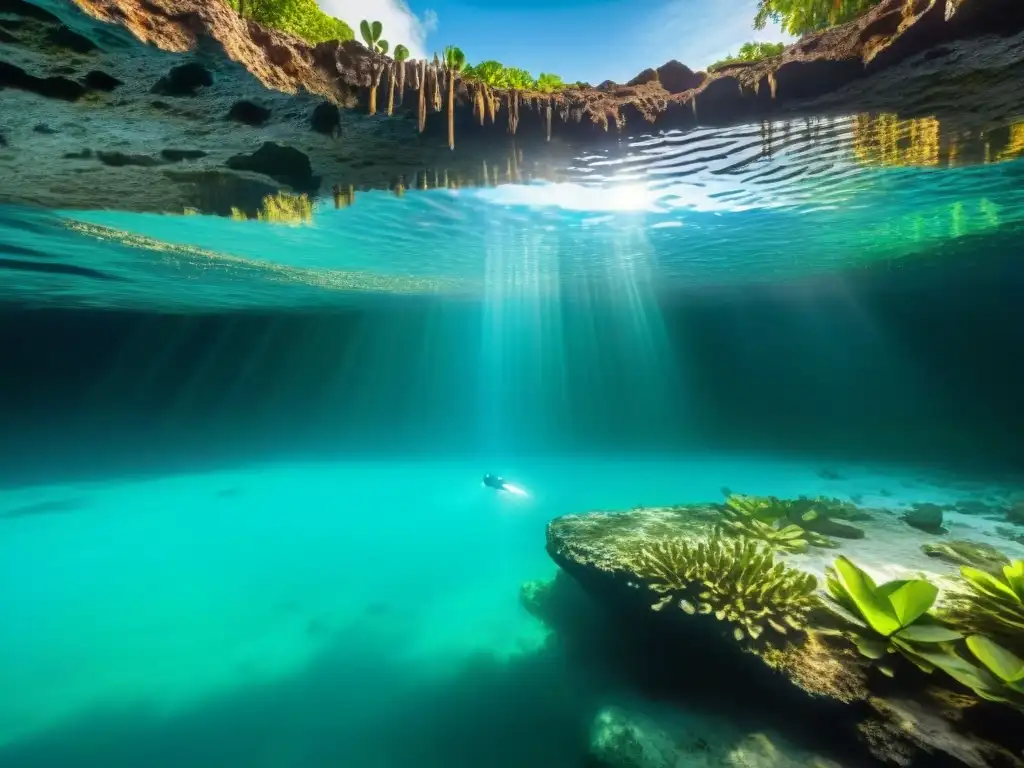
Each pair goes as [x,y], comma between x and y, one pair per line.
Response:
[242,522]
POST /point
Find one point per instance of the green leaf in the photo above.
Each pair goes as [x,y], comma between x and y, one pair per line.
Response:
[382,46]
[1014,574]
[872,606]
[928,633]
[364,30]
[1004,664]
[871,647]
[910,599]
[988,584]
[378,29]
[401,53]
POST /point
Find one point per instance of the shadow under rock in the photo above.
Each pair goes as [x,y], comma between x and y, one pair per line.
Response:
[348,708]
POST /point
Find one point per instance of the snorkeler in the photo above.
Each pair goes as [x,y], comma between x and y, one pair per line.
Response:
[500,484]
[495,482]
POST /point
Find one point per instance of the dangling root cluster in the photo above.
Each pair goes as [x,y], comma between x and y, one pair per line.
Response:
[735,580]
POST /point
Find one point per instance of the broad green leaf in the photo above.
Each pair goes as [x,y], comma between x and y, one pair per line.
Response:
[1004,664]
[1014,574]
[871,647]
[382,46]
[928,633]
[988,584]
[911,600]
[874,607]
[364,30]
[378,29]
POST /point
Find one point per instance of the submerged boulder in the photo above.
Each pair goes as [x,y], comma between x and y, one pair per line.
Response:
[925,517]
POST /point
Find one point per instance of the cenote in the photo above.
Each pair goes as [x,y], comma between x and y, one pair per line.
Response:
[748,341]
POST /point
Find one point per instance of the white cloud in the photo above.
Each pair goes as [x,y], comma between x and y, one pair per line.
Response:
[703,31]
[401,25]
[429,20]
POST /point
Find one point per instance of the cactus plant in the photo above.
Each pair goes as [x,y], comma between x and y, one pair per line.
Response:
[371,32]
[401,56]
[454,63]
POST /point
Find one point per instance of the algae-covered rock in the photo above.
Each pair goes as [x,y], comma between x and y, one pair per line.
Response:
[925,517]
[962,552]
[648,737]
[705,585]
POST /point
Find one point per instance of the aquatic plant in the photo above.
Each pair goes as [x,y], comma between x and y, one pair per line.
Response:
[737,581]
[371,33]
[454,61]
[1005,667]
[993,604]
[770,520]
[970,553]
[891,617]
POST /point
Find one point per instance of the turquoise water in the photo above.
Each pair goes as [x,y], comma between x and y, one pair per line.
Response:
[241,515]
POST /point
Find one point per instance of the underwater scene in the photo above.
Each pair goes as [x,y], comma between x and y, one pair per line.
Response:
[366,407]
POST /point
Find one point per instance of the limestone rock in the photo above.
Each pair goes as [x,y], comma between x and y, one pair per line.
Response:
[648,737]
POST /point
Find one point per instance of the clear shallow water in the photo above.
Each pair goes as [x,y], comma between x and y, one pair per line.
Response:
[149,601]
[603,340]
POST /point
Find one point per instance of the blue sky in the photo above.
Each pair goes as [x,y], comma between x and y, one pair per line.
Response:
[591,40]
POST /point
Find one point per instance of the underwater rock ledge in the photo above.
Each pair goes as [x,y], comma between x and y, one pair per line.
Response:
[169,104]
[773,629]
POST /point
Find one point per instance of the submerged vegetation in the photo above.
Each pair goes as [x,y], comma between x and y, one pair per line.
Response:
[302,18]
[737,581]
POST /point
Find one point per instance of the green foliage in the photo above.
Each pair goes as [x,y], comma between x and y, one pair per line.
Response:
[454,59]
[302,18]
[736,581]
[970,553]
[549,83]
[750,52]
[519,79]
[993,604]
[797,17]
[488,72]
[893,617]
[771,520]
[497,75]
[401,53]
[1000,677]
[371,32]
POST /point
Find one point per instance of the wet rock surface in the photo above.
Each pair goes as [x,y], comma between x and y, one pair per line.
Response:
[620,558]
[165,73]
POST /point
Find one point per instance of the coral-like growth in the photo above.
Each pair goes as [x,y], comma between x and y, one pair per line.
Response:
[737,581]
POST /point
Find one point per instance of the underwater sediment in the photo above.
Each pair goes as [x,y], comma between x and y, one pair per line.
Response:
[896,652]
[181,104]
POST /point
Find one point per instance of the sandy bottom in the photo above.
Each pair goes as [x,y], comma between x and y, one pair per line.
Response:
[160,597]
